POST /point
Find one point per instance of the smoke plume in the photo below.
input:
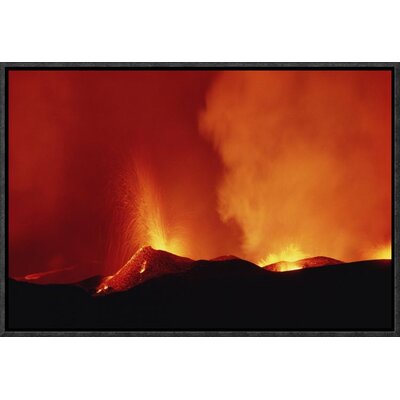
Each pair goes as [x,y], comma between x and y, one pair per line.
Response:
[307,163]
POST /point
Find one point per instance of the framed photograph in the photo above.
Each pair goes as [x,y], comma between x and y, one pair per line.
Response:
[190,199]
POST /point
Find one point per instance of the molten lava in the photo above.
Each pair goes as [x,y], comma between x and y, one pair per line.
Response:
[311,262]
[147,263]
[290,253]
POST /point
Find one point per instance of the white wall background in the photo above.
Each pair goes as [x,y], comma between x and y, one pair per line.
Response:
[199,368]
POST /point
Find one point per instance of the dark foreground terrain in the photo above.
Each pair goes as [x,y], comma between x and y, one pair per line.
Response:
[227,294]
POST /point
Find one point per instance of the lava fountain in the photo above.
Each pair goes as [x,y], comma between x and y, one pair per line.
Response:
[142,221]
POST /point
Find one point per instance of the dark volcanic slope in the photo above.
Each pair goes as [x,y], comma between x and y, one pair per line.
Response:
[144,265]
[221,295]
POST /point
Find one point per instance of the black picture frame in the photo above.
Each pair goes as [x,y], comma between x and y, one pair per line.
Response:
[5,67]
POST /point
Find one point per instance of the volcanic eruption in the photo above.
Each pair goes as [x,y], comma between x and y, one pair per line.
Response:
[302,151]
[144,265]
[312,262]
[126,182]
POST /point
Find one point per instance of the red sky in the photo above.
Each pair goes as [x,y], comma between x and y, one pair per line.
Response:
[218,152]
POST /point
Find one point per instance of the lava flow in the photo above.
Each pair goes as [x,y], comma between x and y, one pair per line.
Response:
[147,263]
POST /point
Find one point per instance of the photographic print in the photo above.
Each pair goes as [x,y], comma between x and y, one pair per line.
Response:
[199,199]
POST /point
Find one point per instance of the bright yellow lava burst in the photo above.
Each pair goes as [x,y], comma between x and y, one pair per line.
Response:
[159,240]
[290,266]
[290,253]
[149,220]
[382,252]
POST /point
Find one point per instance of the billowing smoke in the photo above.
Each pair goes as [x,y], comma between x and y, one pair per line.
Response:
[307,160]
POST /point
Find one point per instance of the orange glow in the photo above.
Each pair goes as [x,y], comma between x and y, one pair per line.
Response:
[288,266]
[294,176]
[32,277]
[268,166]
[39,275]
[307,160]
[290,254]
[145,222]
[150,226]
[381,253]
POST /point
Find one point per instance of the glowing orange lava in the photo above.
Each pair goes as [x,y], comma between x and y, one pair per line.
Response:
[383,252]
[290,253]
[286,266]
